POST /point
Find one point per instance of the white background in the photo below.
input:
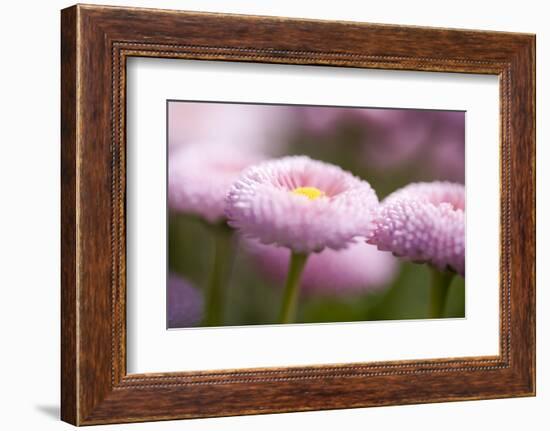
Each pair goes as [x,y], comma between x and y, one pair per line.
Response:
[153,349]
[29,228]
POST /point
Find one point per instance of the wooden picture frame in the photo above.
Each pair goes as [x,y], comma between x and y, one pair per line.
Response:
[95,43]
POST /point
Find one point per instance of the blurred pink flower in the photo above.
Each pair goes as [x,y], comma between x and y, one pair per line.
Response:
[434,139]
[321,119]
[199,179]
[424,222]
[185,303]
[243,127]
[300,203]
[448,143]
[354,270]
[394,138]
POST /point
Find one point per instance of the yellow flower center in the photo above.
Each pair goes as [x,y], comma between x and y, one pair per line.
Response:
[311,193]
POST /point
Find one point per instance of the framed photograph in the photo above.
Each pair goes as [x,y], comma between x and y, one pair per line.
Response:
[264,215]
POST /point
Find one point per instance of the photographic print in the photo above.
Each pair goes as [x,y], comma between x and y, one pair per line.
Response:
[284,214]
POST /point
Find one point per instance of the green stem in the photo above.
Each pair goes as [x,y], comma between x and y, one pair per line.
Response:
[223,241]
[441,280]
[292,287]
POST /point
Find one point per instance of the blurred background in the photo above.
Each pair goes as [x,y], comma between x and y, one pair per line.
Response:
[389,148]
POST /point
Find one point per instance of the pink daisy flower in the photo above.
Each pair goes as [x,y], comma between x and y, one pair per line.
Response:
[357,269]
[302,204]
[424,222]
[199,178]
[185,303]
